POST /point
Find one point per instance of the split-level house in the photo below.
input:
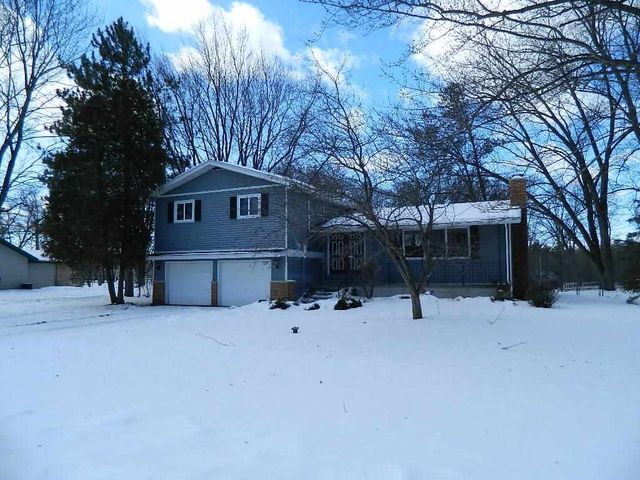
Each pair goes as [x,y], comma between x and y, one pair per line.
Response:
[231,235]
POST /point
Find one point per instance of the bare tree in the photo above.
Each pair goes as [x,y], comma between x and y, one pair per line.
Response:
[177,113]
[596,37]
[573,141]
[391,189]
[455,132]
[36,38]
[20,221]
[232,103]
[563,77]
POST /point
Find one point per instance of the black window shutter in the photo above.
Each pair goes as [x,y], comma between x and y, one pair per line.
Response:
[264,205]
[475,241]
[197,215]
[233,208]
[170,212]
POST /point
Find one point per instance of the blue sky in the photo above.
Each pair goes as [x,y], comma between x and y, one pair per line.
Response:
[284,27]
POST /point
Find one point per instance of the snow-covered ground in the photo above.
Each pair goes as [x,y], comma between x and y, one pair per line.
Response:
[477,390]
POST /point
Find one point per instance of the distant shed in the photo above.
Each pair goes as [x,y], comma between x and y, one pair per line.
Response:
[22,268]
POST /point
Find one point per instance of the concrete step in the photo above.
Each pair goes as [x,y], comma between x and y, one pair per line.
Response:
[322,296]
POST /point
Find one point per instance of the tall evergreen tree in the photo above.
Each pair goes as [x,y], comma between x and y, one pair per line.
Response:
[99,211]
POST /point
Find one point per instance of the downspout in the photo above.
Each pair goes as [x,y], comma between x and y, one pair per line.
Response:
[510,257]
[286,233]
[507,249]
[506,255]
[304,247]
[500,263]
[304,267]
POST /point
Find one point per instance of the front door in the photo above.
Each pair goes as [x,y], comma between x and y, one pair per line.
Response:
[346,252]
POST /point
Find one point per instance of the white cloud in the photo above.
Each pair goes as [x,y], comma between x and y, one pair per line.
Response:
[334,61]
[345,36]
[174,16]
[435,45]
[337,63]
[184,57]
[243,19]
[438,45]
[262,34]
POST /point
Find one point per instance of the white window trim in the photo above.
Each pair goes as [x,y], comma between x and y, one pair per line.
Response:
[249,196]
[184,202]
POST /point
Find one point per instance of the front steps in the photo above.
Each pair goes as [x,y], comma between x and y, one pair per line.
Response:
[313,295]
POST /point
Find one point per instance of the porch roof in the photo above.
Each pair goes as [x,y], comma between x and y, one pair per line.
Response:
[444,216]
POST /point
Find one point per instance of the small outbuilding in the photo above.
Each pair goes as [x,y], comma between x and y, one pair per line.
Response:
[21,268]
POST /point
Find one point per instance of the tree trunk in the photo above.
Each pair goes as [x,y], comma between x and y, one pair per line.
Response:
[141,278]
[416,306]
[108,272]
[120,299]
[128,283]
[607,268]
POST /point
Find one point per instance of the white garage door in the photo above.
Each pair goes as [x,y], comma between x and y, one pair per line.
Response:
[243,281]
[189,283]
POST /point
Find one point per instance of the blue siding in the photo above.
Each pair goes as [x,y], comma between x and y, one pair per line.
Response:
[218,179]
[159,270]
[278,269]
[305,213]
[217,231]
[305,272]
[488,268]
[298,215]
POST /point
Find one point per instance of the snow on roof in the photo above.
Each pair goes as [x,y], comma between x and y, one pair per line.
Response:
[211,164]
[451,215]
[32,255]
[39,254]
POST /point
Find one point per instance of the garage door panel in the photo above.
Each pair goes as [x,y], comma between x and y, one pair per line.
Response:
[189,283]
[241,282]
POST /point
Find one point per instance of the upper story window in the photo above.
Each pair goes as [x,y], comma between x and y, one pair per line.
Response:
[249,206]
[184,211]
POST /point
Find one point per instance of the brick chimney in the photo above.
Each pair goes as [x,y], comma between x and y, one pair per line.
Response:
[518,191]
[519,239]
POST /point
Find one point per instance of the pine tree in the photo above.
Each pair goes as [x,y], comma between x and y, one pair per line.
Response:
[99,210]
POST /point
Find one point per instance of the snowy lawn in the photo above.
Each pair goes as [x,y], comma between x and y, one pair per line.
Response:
[477,390]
